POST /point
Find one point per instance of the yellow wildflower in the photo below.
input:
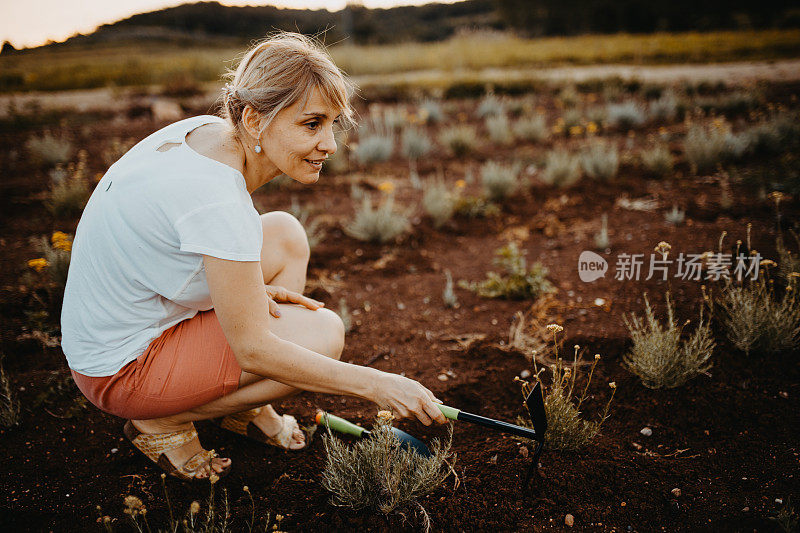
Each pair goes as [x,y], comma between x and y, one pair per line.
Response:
[461,184]
[662,248]
[133,502]
[558,128]
[662,130]
[387,187]
[776,196]
[65,245]
[613,384]
[59,236]
[591,128]
[38,264]
[575,130]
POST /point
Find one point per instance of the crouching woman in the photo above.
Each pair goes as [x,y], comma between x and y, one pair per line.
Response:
[183,304]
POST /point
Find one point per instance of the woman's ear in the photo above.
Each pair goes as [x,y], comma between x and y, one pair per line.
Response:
[251,121]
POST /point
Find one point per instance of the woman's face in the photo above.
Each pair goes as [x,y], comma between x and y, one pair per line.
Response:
[300,138]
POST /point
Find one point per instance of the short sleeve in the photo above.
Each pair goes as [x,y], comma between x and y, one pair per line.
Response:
[228,230]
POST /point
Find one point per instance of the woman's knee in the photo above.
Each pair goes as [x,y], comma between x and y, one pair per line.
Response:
[333,327]
[283,231]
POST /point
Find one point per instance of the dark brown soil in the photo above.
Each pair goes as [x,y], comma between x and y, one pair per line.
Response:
[727,440]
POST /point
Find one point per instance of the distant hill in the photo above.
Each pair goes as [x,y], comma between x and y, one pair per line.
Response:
[211,22]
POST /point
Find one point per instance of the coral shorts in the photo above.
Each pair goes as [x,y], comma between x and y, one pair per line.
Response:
[189,365]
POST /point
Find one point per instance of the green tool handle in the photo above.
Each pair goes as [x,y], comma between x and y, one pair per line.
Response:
[340,424]
[449,412]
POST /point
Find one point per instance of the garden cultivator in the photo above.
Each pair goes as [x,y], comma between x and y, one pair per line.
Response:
[534,403]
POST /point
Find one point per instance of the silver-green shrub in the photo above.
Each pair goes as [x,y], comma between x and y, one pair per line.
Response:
[665,108]
[566,428]
[626,115]
[657,160]
[432,110]
[708,146]
[756,320]
[531,128]
[415,143]
[459,139]
[490,105]
[499,129]
[438,201]
[49,149]
[449,294]
[601,239]
[375,144]
[600,160]
[379,474]
[675,215]
[659,357]
[499,180]
[381,224]
[561,168]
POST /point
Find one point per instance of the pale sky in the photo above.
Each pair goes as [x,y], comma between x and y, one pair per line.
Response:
[27,23]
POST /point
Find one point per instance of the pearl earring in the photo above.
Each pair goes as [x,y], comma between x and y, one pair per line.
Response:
[258,148]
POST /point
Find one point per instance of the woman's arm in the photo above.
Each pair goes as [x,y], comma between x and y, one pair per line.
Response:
[242,308]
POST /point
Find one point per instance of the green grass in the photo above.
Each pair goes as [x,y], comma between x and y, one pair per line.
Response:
[158,64]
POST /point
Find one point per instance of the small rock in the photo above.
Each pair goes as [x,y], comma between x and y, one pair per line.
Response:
[525,374]
[401,306]
[636,446]
[784,395]
[442,377]
[449,373]
[569,520]
[599,302]
[676,492]
[778,500]
[745,509]
[493,460]
[523,451]
[22,389]
[646,432]
[114,450]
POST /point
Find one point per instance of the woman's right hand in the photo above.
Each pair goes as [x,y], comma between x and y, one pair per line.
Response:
[405,398]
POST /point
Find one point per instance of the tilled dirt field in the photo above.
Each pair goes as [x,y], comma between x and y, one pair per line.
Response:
[727,440]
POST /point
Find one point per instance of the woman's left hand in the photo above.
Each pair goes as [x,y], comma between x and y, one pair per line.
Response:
[280,294]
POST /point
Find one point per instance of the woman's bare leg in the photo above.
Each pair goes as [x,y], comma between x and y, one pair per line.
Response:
[284,262]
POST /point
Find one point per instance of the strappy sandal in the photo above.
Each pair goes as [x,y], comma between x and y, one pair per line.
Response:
[242,423]
[154,446]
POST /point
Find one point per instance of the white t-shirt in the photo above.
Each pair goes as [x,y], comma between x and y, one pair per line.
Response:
[136,267]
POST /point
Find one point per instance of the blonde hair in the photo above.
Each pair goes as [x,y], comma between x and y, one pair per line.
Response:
[280,70]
